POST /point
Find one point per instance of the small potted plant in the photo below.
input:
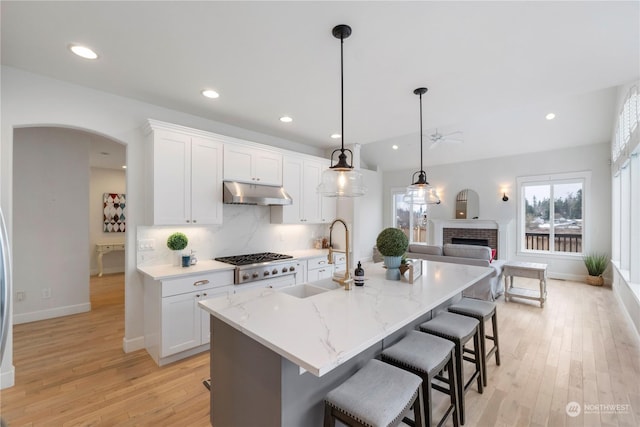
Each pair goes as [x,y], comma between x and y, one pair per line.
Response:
[177,242]
[596,265]
[392,243]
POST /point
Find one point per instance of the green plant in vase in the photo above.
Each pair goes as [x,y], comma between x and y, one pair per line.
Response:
[177,242]
[596,265]
[392,243]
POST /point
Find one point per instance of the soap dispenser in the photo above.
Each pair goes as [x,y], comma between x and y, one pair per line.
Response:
[359,275]
[194,260]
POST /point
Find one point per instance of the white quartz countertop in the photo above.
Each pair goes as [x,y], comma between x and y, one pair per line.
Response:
[160,272]
[321,332]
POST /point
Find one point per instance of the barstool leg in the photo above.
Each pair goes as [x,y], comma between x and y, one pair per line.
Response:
[494,323]
[418,408]
[459,373]
[483,352]
[453,390]
[478,358]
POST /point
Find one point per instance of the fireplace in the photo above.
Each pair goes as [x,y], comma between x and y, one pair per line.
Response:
[490,233]
[465,241]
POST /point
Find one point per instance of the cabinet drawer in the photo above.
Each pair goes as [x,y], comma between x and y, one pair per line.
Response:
[196,283]
[315,263]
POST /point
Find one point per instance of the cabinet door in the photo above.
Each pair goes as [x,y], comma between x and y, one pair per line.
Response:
[237,164]
[292,171]
[267,167]
[181,323]
[206,181]
[171,178]
[311,199]
[205,326]
[319,274]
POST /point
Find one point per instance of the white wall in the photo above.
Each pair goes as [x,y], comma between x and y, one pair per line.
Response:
[490,177]
[31,100]
[104,181]
[368,216]
[51,223]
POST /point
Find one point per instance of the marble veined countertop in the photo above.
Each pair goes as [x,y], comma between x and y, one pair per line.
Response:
[168,271]
[320,332]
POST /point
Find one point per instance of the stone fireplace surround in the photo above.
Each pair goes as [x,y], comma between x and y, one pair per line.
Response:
[494,231]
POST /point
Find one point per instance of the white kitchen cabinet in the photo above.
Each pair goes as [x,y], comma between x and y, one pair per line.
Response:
[252,165]
[175,325]
[184,174]
[318,268]
[300,178]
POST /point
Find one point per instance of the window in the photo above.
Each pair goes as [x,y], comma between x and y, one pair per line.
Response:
[551,215]
[412,220]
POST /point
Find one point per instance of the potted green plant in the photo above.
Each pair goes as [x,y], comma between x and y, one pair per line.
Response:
[596,265]
[392,243]
[177,242]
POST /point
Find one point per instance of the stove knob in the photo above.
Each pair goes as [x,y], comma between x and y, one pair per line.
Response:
[245,276]
[255,275]
[292,268]
[266,273]
[285,269]
[275,271]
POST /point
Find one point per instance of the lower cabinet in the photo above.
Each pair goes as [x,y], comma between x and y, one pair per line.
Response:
[175,325]
[318,268]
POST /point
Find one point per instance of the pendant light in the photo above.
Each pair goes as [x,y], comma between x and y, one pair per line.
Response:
[341,179]
[420,192]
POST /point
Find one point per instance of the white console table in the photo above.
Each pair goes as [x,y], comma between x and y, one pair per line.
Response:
[104,248]
[525,269]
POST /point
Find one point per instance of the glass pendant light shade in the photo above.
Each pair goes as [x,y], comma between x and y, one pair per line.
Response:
[342,183]
[421,192]
[341,179]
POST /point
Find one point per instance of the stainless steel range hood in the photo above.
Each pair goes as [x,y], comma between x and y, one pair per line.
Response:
[240,193]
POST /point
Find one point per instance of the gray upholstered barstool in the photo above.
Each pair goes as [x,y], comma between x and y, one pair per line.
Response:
[377,395]
[459,330]
[427,355]
[482,311]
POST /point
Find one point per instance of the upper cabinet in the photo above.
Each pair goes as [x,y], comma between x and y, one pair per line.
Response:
[184,176]
[300,178]
[252,165]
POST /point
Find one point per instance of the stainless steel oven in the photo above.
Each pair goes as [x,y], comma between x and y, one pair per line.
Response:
[263,269]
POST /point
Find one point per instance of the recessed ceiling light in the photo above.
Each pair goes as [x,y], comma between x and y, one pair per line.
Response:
[286,119]
[83,51]
[550,116]
[124,166]
[394,146]
[335,136]
[209,93]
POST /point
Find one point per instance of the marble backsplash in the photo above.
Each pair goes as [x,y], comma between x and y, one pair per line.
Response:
[245,229]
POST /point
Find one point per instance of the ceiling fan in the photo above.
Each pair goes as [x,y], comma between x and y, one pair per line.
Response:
[438,138]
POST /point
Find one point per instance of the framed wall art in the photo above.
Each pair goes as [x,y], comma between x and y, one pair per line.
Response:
[114,212]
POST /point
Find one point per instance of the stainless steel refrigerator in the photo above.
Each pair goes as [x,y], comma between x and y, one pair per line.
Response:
[5,286]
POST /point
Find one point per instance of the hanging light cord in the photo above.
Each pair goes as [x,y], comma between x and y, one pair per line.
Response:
[342,91]
[421,168]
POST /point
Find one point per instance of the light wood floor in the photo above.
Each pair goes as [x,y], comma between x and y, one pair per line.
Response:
[71,371]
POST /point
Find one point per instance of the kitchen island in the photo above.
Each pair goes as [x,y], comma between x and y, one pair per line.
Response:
[276,353]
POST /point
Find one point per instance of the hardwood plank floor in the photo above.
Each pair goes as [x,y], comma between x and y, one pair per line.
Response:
[71,371]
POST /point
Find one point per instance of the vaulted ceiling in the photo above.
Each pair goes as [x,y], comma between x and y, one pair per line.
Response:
[493,69]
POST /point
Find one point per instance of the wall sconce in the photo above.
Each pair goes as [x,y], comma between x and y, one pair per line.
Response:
[505,197]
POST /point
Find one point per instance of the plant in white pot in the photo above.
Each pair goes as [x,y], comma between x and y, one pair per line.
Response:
[177,242]
[596,265]
[392,243]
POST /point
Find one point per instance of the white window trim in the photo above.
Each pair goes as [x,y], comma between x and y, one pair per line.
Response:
[547,179]
[402,190]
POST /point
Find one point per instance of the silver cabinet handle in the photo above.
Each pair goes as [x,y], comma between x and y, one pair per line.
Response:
[321,262]
[201,282]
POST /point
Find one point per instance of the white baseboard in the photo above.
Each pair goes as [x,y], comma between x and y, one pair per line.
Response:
[132,344]
[50,313]
[111,270]
[8,378]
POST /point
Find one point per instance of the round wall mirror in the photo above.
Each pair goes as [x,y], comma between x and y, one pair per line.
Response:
[467,205]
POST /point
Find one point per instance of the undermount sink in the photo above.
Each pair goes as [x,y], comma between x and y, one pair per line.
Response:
[302,291]
[309,290]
